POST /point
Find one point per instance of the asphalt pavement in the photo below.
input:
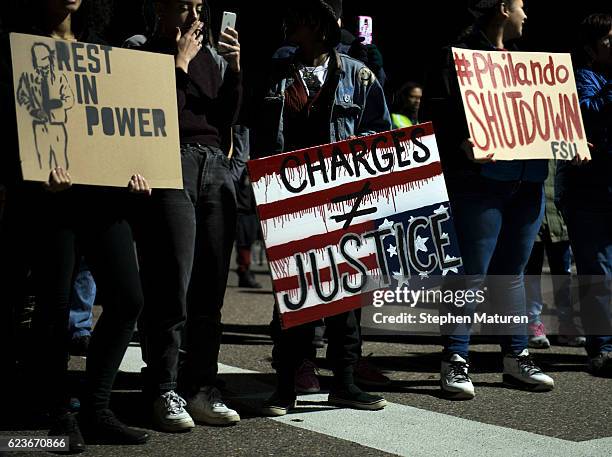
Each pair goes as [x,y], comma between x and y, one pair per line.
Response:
[575,419]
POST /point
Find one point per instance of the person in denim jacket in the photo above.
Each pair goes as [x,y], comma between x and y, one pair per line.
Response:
[318,96]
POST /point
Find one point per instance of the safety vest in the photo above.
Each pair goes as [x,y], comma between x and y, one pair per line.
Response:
[400,121]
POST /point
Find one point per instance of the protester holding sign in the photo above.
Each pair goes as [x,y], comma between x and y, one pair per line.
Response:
[497,209]
[71,221]
[195,227]
[585,192]
[307,90]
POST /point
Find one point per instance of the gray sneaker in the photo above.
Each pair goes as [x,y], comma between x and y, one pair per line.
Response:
[207,407]
[521,371]
[454,379]
[169,413]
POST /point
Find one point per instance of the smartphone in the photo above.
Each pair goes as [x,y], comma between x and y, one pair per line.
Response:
[228,21]
[365,29]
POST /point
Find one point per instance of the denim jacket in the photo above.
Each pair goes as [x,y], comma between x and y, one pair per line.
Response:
[359,106]
[594,179]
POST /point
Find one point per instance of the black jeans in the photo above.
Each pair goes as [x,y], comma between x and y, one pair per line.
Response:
[17,232]
[293,345]
[185,267]
[87,222]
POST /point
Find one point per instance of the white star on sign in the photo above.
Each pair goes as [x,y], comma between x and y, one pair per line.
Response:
[419,243]
[392,251]
[387,224]
[423,275]
[401,279]
[442,209]
[446,270]
[455,270]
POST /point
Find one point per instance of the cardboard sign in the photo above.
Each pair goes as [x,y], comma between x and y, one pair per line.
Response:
[101,113]
[335,216]
[521,105]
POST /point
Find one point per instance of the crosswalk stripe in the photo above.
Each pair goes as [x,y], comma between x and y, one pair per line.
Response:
[408,431]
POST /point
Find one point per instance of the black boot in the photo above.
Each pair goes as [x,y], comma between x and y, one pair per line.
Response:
[246,278]
[66,425]
[103,427]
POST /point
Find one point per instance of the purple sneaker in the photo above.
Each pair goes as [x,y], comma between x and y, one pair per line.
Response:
[306,381]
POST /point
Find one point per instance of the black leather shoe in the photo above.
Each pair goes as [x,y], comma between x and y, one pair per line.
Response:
[67,425]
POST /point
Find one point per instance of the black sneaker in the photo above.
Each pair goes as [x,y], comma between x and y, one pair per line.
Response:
[67,425]
[601,365]
[278,405]
[353,397]
[79,345]
[103,427]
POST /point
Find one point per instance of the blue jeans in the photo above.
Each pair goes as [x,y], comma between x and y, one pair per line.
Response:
[560,262]
[496,224]
[589,223]
[81,302]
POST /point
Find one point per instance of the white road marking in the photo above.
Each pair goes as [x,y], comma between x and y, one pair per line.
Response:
[407,431]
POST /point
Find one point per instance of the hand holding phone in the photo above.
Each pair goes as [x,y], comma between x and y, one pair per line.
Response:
[229,46]
[365,29]
[228,22]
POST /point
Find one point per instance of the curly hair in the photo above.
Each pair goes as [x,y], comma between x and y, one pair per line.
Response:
[93,15]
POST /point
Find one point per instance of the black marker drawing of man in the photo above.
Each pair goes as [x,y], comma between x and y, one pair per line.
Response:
[47,97]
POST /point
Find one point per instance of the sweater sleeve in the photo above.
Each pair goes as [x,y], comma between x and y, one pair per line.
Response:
[230,97]
[183,81]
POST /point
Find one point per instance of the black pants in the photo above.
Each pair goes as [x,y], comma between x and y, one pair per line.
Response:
[185,268]
[293,345]
[85,222]
[17,232]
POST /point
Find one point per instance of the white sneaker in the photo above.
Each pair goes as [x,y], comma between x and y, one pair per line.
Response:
[454,379]
[208,407]
[521,371]
[169,413]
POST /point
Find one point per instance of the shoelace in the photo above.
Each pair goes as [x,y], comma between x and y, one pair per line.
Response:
[214,397]
[174,403]
[527,364]
[458,372]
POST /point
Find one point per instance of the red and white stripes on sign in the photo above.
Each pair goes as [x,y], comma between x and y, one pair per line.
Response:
[302,222]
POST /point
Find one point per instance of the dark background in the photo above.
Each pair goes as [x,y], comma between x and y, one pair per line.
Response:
[408,32]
